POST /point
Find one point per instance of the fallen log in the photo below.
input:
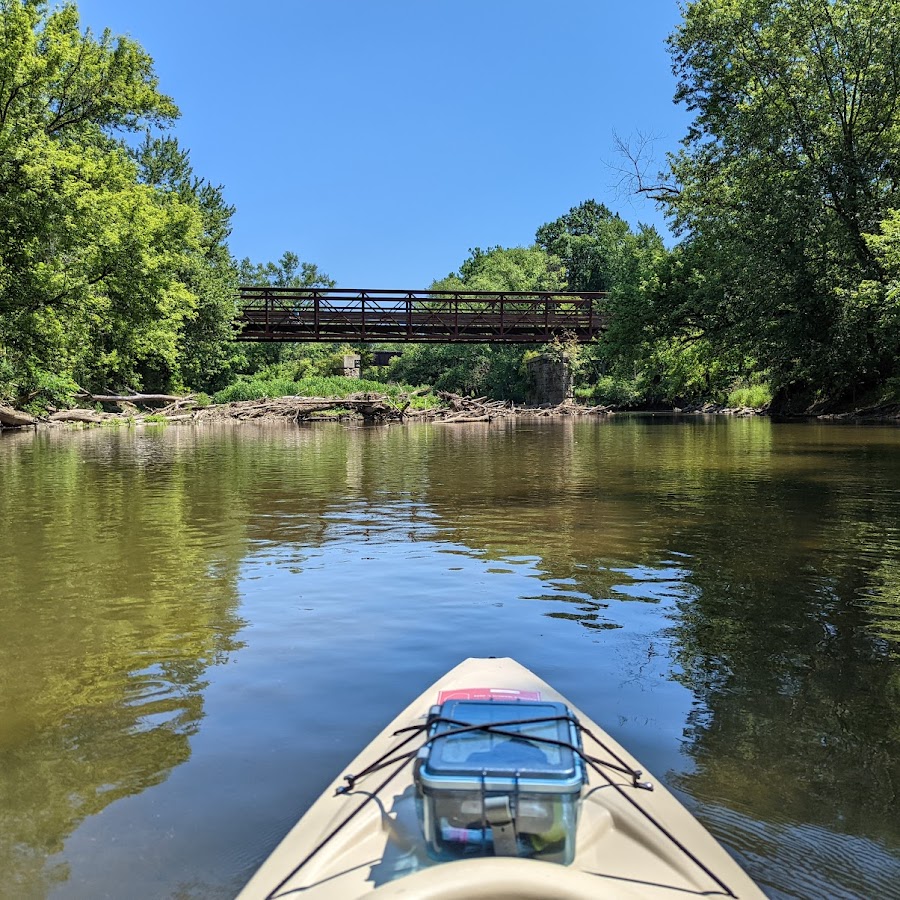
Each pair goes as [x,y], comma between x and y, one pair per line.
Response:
[176,406]
[463,420]
[14,418]
[87,416]
[372,407]
[133,398]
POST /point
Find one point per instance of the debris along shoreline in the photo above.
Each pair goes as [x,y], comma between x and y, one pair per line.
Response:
[380,409]
[371,408]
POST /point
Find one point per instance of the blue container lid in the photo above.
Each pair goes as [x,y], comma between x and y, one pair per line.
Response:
[453,761]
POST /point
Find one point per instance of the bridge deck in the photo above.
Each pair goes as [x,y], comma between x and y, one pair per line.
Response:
[359,316]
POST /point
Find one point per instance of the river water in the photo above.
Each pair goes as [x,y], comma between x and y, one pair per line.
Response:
[200,627]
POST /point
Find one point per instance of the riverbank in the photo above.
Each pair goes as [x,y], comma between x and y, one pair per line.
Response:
[371,408]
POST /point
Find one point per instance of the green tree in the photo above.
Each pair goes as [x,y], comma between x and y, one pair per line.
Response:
[590,240]
[793,157]
[289,271]
[880,300]
[601,252]
[92,256]
[506,269]
[285,360]
[490,369]
[205,351]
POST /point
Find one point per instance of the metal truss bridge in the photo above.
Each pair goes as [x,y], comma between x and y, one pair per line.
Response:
[359,316]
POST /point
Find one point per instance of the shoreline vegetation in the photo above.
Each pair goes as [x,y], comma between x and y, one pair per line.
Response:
[781,293]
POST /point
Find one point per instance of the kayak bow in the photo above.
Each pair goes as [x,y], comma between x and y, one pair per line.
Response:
[491,785]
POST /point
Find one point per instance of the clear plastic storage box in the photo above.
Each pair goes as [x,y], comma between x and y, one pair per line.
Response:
[509,794]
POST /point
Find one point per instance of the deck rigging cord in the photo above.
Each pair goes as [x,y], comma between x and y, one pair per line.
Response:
[498,728]
[401,761]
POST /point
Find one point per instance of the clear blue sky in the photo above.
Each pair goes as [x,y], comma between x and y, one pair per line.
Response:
[381,139]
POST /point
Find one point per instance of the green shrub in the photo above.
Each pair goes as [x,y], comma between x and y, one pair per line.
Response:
[303,368]
[754,396]
[39,390]
[609,390]
[891,391]
[494,370]
[332,386]
[7,379]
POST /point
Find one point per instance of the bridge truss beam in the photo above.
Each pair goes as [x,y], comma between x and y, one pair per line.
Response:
[361,316]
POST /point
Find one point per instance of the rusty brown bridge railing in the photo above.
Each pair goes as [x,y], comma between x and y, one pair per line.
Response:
[359,316]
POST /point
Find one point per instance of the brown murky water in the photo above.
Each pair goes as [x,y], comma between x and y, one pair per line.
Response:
[200,627]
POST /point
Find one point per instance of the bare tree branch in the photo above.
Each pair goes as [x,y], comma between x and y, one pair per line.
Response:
[637,161]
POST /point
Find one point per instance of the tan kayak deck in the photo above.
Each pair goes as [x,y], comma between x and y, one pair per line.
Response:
[621,850]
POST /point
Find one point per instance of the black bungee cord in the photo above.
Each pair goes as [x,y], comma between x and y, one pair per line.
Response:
[370,796]
[498,729]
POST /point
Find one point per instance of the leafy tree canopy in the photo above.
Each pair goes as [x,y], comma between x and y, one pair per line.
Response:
[102,247]
[296,360]
[205,354]
[589,240]
[506,269]
[792,159]
[289,271]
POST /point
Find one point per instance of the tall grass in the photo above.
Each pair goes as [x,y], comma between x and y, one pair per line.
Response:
[332,386]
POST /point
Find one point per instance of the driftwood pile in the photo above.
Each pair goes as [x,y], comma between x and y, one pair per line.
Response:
[379,408]
[134,407]
[569,408]
[374,408]
[461,410]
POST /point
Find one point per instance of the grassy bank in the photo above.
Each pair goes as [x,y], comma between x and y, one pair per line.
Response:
[334,386]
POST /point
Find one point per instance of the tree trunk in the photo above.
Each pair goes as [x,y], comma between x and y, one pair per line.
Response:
[88,416]
[13,418]
[134,398]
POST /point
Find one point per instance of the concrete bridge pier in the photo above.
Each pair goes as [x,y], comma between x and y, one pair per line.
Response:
[550,380]
[350,366]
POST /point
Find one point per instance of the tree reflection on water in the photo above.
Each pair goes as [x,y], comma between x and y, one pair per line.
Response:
[112,612]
